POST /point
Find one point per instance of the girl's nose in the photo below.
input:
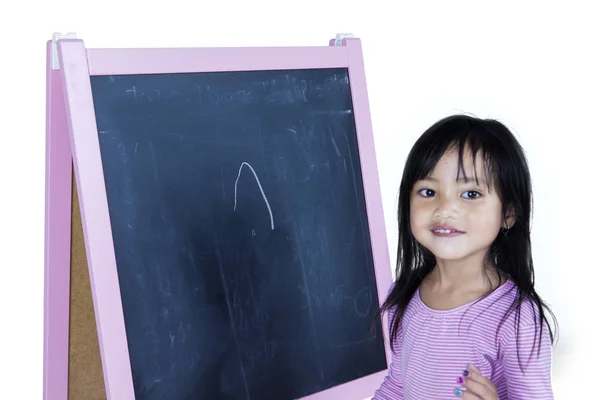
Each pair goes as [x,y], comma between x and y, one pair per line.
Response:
[447,208]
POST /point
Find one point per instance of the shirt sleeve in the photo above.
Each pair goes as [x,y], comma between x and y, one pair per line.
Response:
[392,387]
[528,373]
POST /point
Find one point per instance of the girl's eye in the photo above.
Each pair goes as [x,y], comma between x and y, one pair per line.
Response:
[426,192]
[471,194]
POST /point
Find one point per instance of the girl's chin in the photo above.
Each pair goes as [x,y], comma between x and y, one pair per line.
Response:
[449,252]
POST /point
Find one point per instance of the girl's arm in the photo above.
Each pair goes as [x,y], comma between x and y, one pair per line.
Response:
[392,388]
[528,373]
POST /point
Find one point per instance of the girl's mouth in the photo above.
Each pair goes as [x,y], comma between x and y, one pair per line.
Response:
[446,231]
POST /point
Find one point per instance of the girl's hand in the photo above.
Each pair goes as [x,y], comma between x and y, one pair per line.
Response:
[478,386]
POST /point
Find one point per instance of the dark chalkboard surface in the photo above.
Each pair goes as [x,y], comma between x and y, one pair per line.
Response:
[240,232]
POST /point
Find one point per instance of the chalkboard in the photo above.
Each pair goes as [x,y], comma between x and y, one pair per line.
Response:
[240,232]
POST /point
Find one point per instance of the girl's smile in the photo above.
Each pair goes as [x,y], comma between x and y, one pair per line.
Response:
[446,231]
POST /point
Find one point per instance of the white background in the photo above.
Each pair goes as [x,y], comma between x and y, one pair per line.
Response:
[534,66]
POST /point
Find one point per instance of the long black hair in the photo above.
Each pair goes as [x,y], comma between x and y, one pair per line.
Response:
[510,253]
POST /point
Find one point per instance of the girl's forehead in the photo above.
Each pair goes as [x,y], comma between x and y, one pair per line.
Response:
[450,163]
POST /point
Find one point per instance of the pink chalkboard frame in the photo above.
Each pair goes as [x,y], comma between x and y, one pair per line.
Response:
[72,140]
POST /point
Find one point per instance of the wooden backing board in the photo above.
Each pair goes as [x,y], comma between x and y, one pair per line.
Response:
[86,380]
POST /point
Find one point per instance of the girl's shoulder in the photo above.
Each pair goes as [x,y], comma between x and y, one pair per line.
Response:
[522,319]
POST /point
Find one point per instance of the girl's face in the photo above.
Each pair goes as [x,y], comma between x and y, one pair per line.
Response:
[471,212]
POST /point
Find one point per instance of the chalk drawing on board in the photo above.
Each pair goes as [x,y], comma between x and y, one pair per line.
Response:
[259,186]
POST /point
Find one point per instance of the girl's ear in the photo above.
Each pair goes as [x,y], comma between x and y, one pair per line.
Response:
[509,218]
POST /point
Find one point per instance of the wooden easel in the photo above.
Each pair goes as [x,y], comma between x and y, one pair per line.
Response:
[72,367]
[85,343]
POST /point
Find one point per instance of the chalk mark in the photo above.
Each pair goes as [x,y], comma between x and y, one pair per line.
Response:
[362,222]
[153,161]
[334,144]
[309,302]
[259,186]
[231,317]
[361,292]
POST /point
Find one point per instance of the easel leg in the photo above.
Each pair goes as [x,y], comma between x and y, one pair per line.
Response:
[57,239]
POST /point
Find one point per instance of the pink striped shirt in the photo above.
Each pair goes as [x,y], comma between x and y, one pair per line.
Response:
[435,346]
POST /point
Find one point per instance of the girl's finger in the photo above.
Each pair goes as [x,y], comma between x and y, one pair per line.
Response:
[469,396]
[475,375]
[473,368]
[477,384]
[477,388]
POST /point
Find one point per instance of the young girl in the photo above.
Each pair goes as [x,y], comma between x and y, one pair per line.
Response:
[465,319]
